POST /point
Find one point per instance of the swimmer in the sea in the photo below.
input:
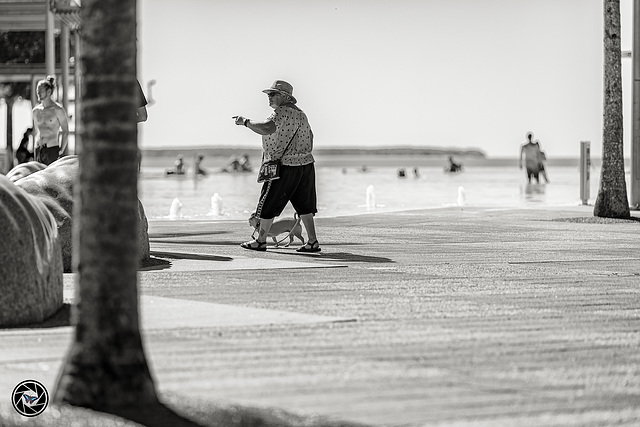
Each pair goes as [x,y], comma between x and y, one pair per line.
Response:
[531,154]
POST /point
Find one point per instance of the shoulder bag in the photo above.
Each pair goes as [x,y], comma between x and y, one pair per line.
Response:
[270,170]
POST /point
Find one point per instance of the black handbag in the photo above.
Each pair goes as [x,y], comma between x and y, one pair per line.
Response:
[270,170]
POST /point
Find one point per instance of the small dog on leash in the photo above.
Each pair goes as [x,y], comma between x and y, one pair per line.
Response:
[280,226]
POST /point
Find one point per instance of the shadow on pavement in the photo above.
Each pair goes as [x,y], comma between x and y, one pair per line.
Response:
[598,220]
[344,256]
[61,318]
[182,255]
[185,234]
[197,242]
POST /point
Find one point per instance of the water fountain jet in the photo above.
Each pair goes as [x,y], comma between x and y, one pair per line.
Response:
[175,212]
[216,205]
[371,197]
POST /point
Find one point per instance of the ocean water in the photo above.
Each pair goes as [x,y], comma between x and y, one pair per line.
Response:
[343,188]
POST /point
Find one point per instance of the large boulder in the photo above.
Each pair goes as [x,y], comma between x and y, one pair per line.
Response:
[54,186]
[144,250]
[24,169]
[31,268]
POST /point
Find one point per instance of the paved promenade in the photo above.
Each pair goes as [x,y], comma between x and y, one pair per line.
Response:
[454,316]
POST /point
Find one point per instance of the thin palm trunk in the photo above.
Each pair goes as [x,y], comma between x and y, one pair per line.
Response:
[612,199]
[106,368]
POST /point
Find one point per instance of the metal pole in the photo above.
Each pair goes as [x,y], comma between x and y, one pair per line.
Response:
[77,85]
[585,171]
[64,65]
[635,110]
[50,42]
[34,87]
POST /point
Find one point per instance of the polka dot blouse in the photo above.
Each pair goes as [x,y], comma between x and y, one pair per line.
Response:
[288,118]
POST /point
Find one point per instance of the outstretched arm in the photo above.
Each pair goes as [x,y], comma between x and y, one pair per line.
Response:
[261,128]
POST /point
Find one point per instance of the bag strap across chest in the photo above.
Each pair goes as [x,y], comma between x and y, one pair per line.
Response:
[285,148]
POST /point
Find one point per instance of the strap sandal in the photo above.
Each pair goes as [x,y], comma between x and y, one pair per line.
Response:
[254,245]
[310,247]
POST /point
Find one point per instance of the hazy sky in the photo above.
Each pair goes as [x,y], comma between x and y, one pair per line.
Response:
[462,73]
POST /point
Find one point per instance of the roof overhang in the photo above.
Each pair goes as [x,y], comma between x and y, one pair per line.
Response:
[30,15]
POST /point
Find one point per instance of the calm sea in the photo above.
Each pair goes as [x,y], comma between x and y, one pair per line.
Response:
[345,187]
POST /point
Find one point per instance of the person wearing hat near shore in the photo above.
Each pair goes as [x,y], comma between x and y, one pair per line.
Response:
[287,128]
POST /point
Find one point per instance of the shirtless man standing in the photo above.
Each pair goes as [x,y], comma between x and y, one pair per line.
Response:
[531,153]
[48,118]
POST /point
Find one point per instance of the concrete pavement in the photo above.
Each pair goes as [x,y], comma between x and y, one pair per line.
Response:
[454,316]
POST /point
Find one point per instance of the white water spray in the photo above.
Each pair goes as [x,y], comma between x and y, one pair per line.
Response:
[216,205]
[371,197]
[175,212]
[462,196]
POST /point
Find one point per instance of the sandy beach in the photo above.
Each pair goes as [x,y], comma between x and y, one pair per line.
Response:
[454,316]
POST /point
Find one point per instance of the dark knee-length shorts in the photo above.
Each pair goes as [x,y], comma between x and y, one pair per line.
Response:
[297,184]
[47,155]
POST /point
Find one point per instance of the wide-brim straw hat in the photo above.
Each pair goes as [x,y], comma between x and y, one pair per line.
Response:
[283,88]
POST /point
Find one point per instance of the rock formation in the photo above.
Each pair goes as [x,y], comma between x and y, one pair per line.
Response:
[54,186]
[31,268]
[24,169]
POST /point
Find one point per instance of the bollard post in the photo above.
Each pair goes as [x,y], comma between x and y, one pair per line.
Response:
[585,166]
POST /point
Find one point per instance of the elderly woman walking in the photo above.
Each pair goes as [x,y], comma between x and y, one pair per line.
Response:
[286,135]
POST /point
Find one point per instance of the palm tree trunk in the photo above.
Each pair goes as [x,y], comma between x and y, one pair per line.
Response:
[106,368]
[612,195]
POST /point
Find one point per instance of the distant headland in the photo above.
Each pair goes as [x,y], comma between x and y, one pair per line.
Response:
[228,151]
[401,156]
